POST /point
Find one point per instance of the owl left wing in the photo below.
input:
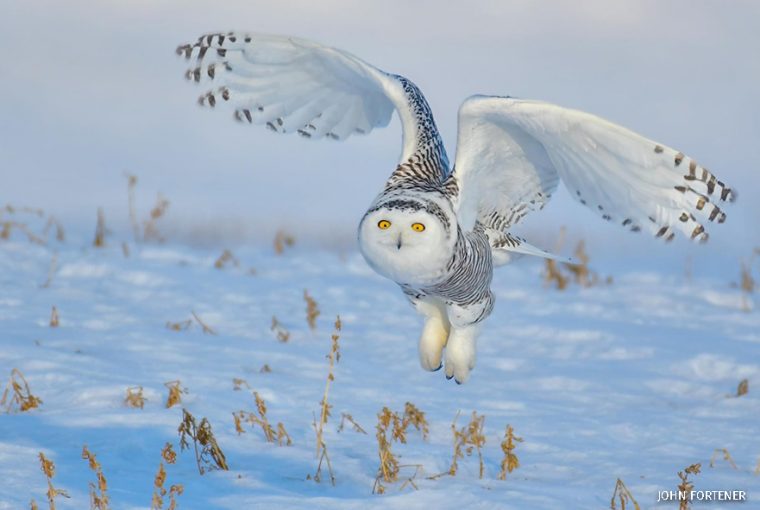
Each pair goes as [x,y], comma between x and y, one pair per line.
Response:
[294,85]
[511,153]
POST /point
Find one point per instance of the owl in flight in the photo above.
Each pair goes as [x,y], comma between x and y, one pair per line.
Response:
[435,229]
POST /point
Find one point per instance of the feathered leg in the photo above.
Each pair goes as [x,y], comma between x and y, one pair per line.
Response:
[460,352]
[435,332]
[465,327]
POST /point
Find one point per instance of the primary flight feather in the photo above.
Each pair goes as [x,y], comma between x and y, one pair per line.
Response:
[439,231]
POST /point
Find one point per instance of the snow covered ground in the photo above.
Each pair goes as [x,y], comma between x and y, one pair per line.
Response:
[630,380]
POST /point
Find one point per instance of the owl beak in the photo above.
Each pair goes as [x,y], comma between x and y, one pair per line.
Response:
[398,243]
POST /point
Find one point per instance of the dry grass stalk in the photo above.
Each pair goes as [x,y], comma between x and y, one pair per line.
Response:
[48,468]
[150,229]
[623,495]
[413,416]
[282,334]
[578,272]
[726,456]
[686,485]
[551,267]
[389,465]
[237,384]
[333,358]
[131,185]
[757,468]
[99,491]
[581,273]
[468,438]
[135,397]
[52,222]
[7,226]
[54,318]
[125,250]
[51,271]
[206,328]
[225,259]
[33,505]
[265,369]
[168,454]
[150,226]
[179,326]
[747,285]
[312,310]
[553,274]
[175,393]
[157,501]
[393,427]
[510,462]
[281,241]
[159,489]
[743,388]
[100,230]
[208,454]
[159,492]
[282,435]
[345,417]
[261,420]
[174,491]
[238,420]
[18,395]
[323,457]
[410,480]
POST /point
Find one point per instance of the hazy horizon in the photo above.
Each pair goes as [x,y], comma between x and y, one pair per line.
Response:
[95,90]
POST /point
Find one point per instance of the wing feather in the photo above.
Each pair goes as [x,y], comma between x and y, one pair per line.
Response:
[511,154]
[295,85]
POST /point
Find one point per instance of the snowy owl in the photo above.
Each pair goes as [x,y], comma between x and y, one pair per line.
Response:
[437,230]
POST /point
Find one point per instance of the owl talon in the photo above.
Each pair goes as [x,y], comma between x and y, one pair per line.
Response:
[449,377]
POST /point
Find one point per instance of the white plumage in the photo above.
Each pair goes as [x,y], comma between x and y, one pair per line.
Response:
[621,175]
[439,231]
[294,85]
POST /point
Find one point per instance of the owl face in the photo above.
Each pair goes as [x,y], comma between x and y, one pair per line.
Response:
[409,245]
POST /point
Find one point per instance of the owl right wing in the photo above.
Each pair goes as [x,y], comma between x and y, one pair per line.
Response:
[294,85]
[512,153]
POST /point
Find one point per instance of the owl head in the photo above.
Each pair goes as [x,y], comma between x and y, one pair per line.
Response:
[409,240]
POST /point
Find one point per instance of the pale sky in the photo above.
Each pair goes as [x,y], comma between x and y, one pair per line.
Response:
[91,90]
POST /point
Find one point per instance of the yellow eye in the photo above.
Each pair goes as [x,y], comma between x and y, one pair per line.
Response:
[383,224]
[418,227]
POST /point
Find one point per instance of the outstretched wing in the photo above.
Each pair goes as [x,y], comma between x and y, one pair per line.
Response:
[297,86]
[511,154]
